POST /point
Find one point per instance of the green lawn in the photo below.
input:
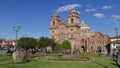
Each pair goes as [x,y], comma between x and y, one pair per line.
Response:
[100,62]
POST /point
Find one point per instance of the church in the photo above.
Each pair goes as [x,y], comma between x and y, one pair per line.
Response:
[78,33]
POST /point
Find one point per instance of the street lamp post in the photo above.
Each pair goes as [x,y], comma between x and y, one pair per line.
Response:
[116,29]
[16,29]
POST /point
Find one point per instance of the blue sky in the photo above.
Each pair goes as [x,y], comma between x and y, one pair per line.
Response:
[34,15]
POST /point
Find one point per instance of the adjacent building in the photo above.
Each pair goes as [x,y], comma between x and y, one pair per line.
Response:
[11,43]
[2,42]
[78,33]
[114,44]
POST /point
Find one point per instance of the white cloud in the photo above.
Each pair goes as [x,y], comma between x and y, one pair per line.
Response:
[99,15]
[68,7]
[115,18]
[108,6]
[89,10]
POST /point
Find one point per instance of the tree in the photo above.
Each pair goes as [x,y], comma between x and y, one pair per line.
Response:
[44,42]
[27,42]
[57,48]
[52,43]
[66,45]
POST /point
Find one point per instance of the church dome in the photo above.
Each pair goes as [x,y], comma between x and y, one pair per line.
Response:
[73,11]
[55,15]
[82,24]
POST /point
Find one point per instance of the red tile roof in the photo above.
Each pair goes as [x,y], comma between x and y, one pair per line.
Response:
[10,42]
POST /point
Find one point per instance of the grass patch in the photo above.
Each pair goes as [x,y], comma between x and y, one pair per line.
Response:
[100,62]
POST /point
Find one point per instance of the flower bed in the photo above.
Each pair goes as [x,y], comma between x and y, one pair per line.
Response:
[72,59]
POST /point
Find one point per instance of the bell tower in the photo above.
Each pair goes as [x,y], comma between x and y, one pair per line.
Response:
[73,18]
[55,20]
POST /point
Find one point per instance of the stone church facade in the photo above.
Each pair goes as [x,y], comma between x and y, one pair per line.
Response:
[78,33]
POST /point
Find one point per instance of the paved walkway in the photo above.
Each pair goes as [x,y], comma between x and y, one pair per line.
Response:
[2,52]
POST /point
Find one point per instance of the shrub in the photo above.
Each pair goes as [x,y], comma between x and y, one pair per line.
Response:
[89,55]
[72,59]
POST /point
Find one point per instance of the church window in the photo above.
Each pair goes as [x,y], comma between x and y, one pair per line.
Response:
[52,31]
[53,23]
[71,29]
[82,40]
[52,36]
[72,20]
[91,47]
